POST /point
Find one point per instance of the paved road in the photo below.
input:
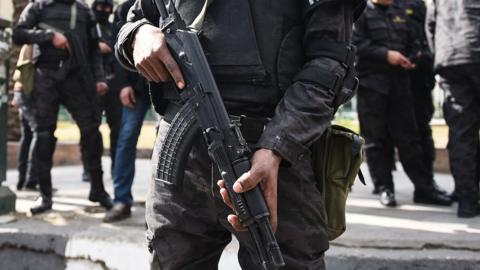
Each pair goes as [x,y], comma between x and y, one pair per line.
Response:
[375,237]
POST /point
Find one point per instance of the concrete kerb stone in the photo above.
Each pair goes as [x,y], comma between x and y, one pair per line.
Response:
[70,252]
[345,258]
[41,243]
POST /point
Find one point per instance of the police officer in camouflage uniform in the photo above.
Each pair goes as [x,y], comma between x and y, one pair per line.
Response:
[271,59]
[110,102]
[58,80]
[385,103]
[454,35]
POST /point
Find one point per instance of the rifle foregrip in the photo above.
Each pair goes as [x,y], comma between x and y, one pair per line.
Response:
[254,198]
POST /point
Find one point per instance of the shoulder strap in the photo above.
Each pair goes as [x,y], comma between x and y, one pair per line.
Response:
[197,24]
[73,15]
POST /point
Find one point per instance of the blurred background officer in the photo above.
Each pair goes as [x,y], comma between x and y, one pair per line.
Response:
[66,34]
[453,28]
[385,104]
[422,79]
[136,101]
[110,102]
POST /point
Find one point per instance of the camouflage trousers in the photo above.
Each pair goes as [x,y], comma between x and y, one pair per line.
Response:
[188,228]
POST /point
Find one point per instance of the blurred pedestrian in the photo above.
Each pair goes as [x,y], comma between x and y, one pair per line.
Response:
[68,71]
[136,103]
[385,103]
[27,177]
[453,29]
[109,103]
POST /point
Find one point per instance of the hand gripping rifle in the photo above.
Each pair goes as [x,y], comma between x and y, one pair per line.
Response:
[203,108]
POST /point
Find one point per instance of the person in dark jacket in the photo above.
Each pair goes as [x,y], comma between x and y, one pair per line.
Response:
[109,103]
[385,105]
[68,71]
[423,80]
[453,29]
[136,103]
[27,177]
[266,57]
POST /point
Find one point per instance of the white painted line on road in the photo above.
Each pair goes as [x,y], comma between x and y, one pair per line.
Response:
[371,203]
[408,224]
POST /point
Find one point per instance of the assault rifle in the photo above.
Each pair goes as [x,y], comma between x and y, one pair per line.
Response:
[203,108]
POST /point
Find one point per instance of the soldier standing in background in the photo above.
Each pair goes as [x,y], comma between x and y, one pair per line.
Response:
[385,103]
[68,71]
[424,80]
[453,29]
[110,102]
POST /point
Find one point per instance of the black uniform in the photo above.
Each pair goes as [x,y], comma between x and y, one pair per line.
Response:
[454,35]
[60,78]
[385,103]
[255,49]
[423,78]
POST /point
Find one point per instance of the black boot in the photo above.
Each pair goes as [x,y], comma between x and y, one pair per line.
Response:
[453,196]
[432,197]
[41,164]
[97,191]
[21,181]
[439,189]
[387,198]
[468,209]
[41,205]
[102,198]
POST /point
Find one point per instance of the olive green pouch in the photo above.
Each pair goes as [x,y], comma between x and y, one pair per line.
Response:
[26,69]
[337,157]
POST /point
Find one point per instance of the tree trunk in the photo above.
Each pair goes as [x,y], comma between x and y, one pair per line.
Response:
[13,123]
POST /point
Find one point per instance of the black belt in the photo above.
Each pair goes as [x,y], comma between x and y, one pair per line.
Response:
[251,127]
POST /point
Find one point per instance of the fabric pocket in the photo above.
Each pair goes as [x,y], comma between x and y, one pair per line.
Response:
[337,159]
[231,46]
[379,28]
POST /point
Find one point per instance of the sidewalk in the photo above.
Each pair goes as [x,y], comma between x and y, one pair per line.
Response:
[73,236]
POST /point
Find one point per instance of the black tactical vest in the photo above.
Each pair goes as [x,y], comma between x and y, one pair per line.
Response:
[386,27]
[58,15]
[257,67]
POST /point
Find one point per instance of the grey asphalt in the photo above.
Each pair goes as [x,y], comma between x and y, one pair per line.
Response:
[73,237]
